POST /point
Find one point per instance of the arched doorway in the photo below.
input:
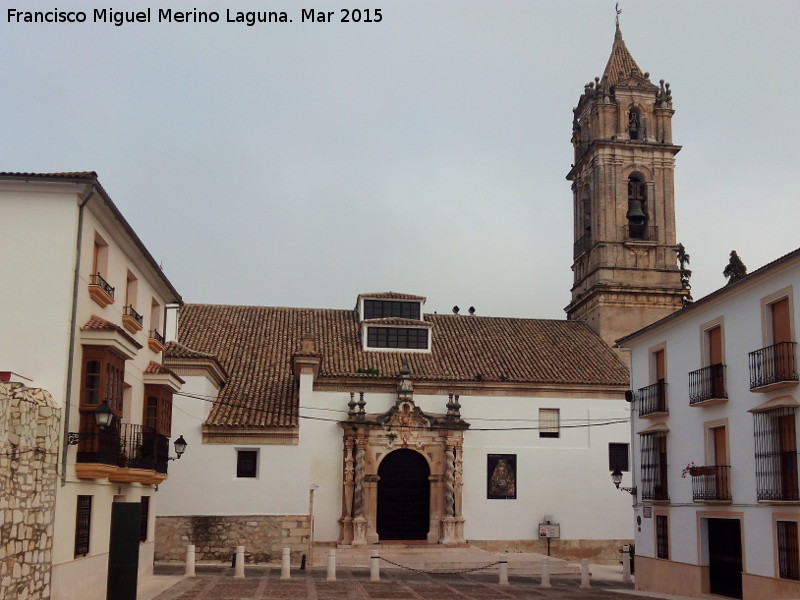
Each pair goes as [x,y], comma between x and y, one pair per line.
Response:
[403,496]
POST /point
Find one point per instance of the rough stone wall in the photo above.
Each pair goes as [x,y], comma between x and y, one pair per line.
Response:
[29,434]
[597,551]
[216,537]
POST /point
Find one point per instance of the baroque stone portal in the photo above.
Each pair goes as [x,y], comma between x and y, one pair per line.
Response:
[369,438]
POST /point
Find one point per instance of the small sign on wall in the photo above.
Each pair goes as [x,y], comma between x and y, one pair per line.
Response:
[501,476]
[549,530]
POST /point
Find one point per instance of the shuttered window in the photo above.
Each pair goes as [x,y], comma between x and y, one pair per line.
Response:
[83,523]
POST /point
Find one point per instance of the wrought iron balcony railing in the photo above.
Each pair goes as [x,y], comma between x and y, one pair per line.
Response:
[157,336]
[777,476]
[125,445]
[129,311]
[773,364]
[652,399]
[711,483]
[707,383]
[582,245]
[98,280]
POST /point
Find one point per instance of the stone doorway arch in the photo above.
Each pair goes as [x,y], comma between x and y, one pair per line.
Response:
[369,438]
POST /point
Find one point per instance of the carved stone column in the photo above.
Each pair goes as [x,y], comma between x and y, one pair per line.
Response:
[448,522]
[346,536]
[458,487]
[359,521]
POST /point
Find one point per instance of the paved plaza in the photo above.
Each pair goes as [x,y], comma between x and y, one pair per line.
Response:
[264,583]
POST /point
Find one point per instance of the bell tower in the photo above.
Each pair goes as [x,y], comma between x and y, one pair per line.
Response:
[625,272]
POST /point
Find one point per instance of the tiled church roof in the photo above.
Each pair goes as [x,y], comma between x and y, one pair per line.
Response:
[255,346]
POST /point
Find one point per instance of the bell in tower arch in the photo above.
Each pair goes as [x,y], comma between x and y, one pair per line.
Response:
[635,213]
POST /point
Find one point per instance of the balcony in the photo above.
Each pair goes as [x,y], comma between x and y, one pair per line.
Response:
[582,245]
[126,453]
[711,484]
[773,367]
[707,385]
[653,399]
[639,233]
[656,493]
[100,291]
[156,341]
[131,319]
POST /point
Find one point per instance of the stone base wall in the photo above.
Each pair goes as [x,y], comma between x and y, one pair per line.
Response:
[597,551]
[215,537]
[29,434]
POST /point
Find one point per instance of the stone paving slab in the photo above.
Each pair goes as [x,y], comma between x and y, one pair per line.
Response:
[354,584]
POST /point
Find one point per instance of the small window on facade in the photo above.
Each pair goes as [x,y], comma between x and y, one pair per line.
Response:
[246,463]
[381,309]
[83,522]
[788,552]
[662,536]
[549,426]
[654,466]
[158,409]
[617,456]
[397,337]
[144,519]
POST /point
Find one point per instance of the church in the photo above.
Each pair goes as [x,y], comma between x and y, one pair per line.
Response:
[379,422]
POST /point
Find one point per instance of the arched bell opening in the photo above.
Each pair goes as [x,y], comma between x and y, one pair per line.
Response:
[403,511]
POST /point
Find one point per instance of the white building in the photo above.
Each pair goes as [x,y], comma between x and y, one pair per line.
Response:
[471,429]
[85,306]
[716,441]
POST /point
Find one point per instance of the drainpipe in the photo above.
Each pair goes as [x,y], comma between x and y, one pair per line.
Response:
[84,197]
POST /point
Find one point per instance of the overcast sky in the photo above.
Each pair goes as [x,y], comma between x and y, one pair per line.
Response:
[300,164]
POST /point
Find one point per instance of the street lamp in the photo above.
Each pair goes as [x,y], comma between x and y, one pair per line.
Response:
[616,478]
[103,417]
[180,447]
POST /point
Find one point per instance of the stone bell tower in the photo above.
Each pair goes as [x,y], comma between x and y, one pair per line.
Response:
[624,263]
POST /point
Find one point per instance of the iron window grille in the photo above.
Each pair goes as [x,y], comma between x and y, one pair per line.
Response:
[83,525]
[711,483]
[776,454]
[662,536]
[654,466]
[788,553]
[247,463]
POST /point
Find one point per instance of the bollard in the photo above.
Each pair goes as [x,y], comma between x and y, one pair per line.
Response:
[585,583]
[503,570]
[375,566]
[626,564]
[190,561]
[285,565]
[331,565]
[238,572]
[546,573]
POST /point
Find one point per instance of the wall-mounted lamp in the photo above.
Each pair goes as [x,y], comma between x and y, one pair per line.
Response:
[616,478]
[180,447]
[103,416]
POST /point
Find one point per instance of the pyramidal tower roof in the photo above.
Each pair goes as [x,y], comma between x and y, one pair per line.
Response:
[620,63]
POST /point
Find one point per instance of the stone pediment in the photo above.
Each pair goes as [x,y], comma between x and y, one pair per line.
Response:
[635,80]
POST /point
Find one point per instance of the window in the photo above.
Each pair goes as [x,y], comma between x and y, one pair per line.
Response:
[100,256]
[653,398]
[247,463]
[788,554]
[99,289]
[776,454]
[776,364]
[144,521]
[158,409]
[549,425]
[381,309]
[654,466]
[618,456]
[83,522]
[662,536]
[131,290]
[637,208]
[396,337]
[103,374]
